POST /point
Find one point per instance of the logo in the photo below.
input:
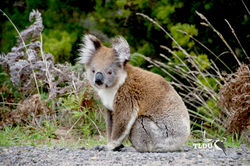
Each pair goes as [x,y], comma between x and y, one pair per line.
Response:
[219,145]
[209,144]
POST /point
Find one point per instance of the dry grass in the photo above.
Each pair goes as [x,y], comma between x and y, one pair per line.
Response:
[30,111]
[199,87]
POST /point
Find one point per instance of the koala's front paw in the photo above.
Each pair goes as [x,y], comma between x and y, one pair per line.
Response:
[109,148]
[119,148]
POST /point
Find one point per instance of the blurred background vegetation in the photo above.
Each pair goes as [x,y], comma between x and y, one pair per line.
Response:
[65,22]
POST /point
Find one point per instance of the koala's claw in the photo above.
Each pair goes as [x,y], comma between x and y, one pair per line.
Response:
[101,148]
[119,148]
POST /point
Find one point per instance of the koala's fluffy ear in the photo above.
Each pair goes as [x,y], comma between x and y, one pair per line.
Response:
[121,48]
[89,47]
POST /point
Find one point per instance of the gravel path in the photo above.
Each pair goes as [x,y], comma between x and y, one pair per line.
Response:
[30,155]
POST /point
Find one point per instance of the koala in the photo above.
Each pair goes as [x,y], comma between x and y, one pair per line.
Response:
[139,104]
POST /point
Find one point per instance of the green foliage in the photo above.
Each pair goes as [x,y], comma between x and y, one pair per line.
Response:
[207,123]
[146,49]
[182,39]
[208,82]
[9,136]
[87,117]
[59,43]
[159,71]
[8,94]
[45,96]
[136,59]
[8,90]
[181,57]
[164,9]
[202,61]
[9,33]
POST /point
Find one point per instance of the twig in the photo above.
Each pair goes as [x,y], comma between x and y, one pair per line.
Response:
[47,73]
[94,125]
[245,6]
[89,119]
[219,34]
[236,37]
[9,103]
[46,64]
[73,125]
[191,72]
[210,51]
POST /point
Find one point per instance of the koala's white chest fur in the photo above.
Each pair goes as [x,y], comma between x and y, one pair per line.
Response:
[107,95]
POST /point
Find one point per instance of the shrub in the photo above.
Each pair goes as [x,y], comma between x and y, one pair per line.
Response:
[59,44]
[234,100]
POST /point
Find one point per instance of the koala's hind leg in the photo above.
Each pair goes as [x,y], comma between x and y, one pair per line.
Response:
[148,136]
[141,136]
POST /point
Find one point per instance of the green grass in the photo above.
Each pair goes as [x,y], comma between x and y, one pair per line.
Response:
[45,136]
[27,135]
[232,141]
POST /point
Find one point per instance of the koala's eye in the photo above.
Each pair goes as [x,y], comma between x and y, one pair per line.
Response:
[110,72]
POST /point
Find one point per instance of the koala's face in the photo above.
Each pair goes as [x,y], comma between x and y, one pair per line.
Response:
[104,66]
[103,70]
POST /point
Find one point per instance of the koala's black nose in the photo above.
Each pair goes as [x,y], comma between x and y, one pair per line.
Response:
[99,78]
